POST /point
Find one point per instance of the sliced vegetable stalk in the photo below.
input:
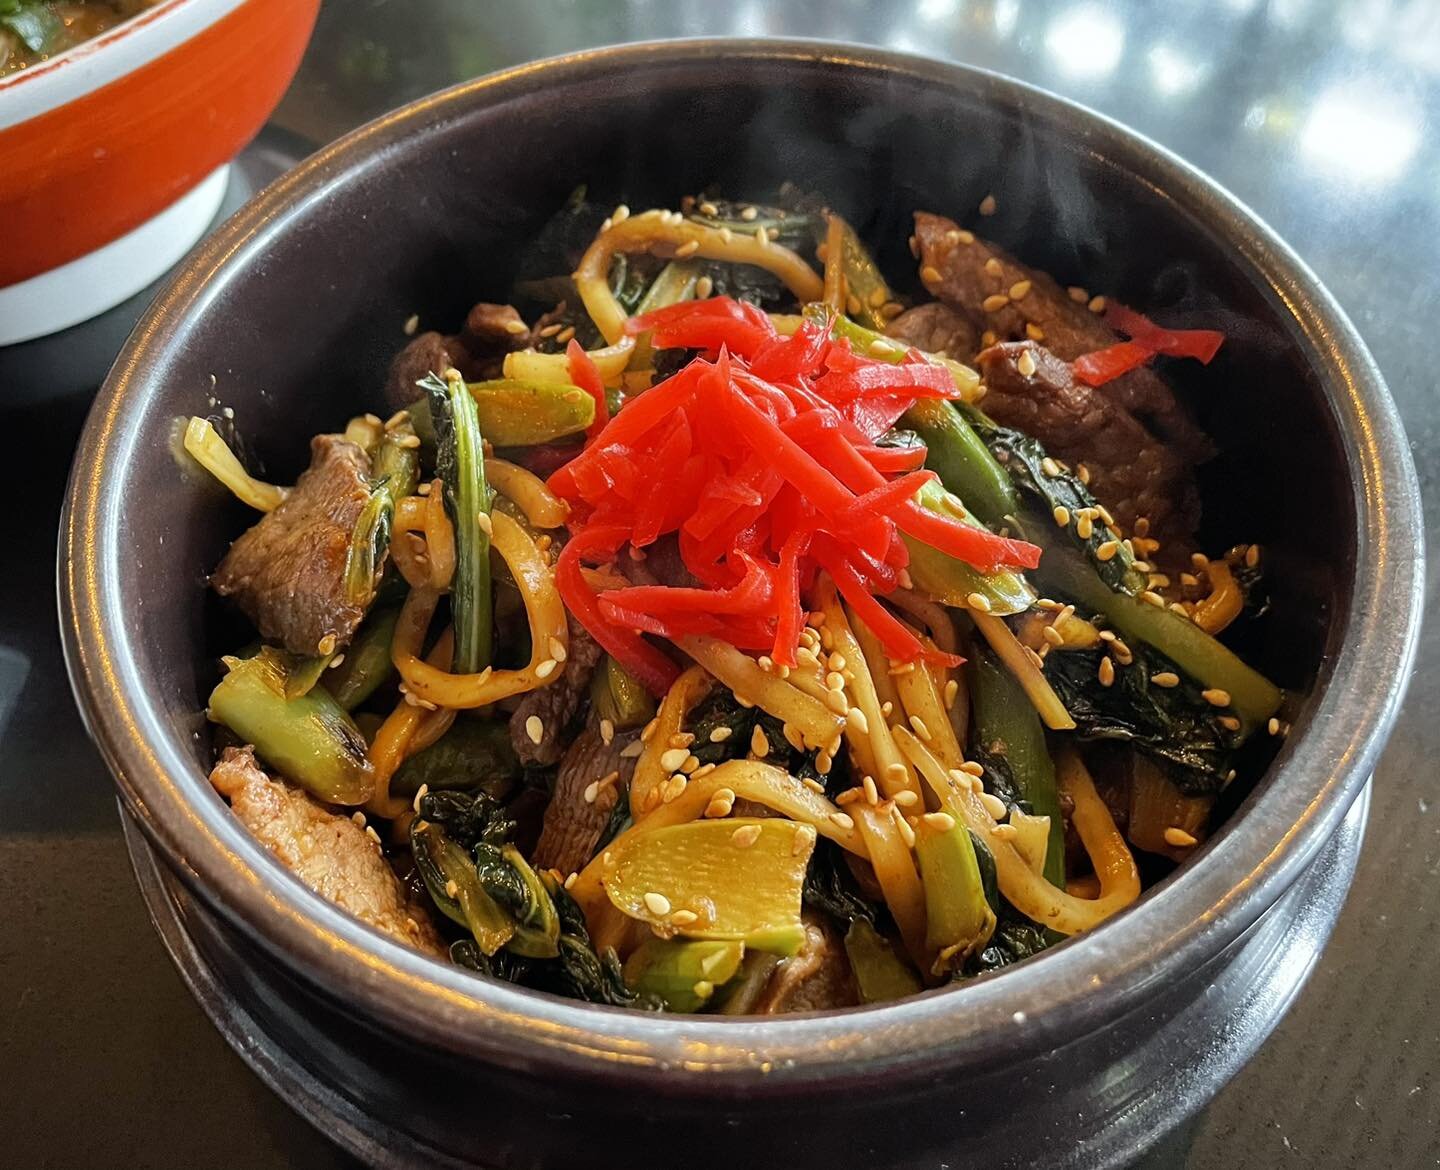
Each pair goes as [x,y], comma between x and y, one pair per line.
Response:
[864,281]
[959,456]
[367,663]
[460,462]
[1059,494]
[394,471]
[950,580]
[684,973]
[1160,810]
[515,412]
[1252,697]
[958,919]
[617,695]
[738,878]
[880,973]
[309,740]
[209,450]
[1007,729]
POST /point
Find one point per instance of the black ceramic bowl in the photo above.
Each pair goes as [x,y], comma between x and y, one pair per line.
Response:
[289,314]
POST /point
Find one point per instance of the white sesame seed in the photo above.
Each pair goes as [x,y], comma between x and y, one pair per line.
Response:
[1106,672]
[535,729]
[672,758]
[1178,838]
[1273,727]
[994,303]
[855,718]
[1107,550]
[592,790]
[1061,515]
[689,248]
[607,731]
[993,805]
[686,918]
[978,601]
[905,798]
[867,786]
[907,833]
[1005,832]
[842,821]
[412,323]
[1034,332]
[987,205]
[971,768]
[759,744]
[745,836]
[1078,294]
[1153,598]
[1019,289]
[920,729]
[941,821]
[1025,364]
[930,274]
[721,734]
[1216,697]
[482,519]
[546,668]
[1166,678]
[657,904]
[451,888]
[1097,304]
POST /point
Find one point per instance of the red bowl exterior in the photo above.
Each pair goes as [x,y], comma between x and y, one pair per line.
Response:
[79,175]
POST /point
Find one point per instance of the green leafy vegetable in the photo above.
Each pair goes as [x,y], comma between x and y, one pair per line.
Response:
[684,973]
[367,662]
[1041,477]
[396,466]
[460,463]
[38,26]
[475,754]
[1173,725]
[880,974]
[949,579]
[960,458]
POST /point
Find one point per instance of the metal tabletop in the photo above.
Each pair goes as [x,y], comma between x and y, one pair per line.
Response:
[1324,117]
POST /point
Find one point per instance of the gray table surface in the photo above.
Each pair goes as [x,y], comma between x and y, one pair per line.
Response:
[1324,117]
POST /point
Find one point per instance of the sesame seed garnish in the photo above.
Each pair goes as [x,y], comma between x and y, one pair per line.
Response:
[941,821]
[592,790]
[920,729]
[1061,514]
[451,888]
[836,702]
[987,205]
[842,821]
[689,248]
[979,602]
[1082,473]
[988,338]
[1107,550]
[674,788]
[1078,294]
[565,334]
[994,267]
[887,708]
[423,489]
[726,235]
[1084,528]
[834,681]
[1019,289]
[905,797]
[1005,832]
[680,739]
[1166,678]
[952,688]
[1096,305]
[907,834]
[1153,598]
[1273,727]
[970,767]
[649,731]
[550,330]
[1051,468]
[703,288]
[691,765]
[867,786]
[672,758]
[762,237]
[359,817]
[657,904]
[721,734]
[1252,556]
[412,323]
[1228,722]
[1025,364]
[546,668]
[1106,672]
[930,274]
[745,836]
[793,737]
[570,881]
[607,731]
[749,213]
[1034,332]
[482,521]
[1052,635]
[995,302]
[535,729]
[856,720]
[1179,838]
[759,744]
[882,348]
[1216,697]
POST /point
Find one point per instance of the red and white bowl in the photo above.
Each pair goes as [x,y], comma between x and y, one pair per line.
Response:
[113,155]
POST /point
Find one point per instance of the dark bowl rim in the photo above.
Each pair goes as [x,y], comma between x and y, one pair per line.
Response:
[1070,991]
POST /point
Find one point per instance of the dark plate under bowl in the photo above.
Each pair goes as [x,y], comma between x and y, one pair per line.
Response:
[289,315]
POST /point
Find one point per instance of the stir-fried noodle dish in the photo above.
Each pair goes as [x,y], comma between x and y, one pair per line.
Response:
[717,628]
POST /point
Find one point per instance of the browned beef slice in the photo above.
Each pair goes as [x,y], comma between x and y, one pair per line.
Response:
[426,353]
[556,705]
[971,272]
[288,572]
[815,978]
[572,824]
[327,851]
[1131,471]
[937,328]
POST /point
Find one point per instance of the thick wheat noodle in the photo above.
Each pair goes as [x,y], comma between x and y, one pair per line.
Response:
[542,507]
[684,693]
[1028,891]
[543,609]
[895,870]
[648,231]
[396,738]
[439,538]
[835,265]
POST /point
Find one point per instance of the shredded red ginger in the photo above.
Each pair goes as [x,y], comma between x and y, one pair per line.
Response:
[1146,340]
[762,458]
